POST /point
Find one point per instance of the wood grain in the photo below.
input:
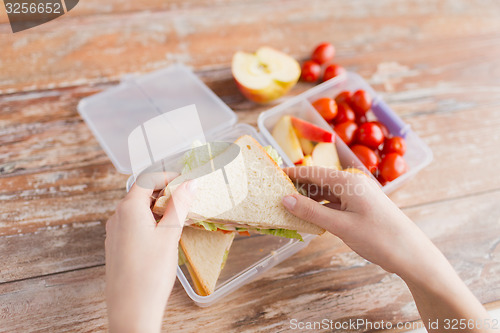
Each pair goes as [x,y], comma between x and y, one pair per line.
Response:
[437,63]
[84,49]
[325,280]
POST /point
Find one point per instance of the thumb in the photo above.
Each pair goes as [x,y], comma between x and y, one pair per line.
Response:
[178,206]
[314,212]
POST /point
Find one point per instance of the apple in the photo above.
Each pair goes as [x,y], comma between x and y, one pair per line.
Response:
[265,75]
[325,155]
[307,161]
[285,136]
[355,171]
[311,132]
[307,146]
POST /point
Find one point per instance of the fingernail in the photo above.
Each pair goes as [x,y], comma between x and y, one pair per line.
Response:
[289,202]
[192,185]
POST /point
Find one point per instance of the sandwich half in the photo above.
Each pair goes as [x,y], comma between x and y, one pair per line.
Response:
[261,210]
[204,253]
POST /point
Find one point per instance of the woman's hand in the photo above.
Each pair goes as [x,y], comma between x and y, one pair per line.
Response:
[141,255]
[374,227]
[361,215]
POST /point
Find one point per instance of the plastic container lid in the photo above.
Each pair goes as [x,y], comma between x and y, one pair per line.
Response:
[117,112]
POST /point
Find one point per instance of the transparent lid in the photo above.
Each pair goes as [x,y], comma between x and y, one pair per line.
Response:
[114,114]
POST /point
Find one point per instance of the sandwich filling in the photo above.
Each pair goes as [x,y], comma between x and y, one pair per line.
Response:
[192,161]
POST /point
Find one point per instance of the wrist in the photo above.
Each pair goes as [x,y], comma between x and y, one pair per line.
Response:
[138,320]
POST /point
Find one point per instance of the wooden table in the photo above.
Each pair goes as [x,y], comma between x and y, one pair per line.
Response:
[437,63]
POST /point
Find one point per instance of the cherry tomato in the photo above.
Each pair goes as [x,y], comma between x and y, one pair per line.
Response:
[361,119]
[361,102]
[384,129]
[366,156]
[326,107]
[346,131]
[394,145]
[344,113]
[323,52]
[381,180]
[378,152]
[344,97]
[392,166]
[370,135]
[332,71]
[310,71]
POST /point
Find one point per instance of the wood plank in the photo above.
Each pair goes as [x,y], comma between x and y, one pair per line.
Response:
[94,7]
[81,49]
[66,177]
[52,250]
[325,280]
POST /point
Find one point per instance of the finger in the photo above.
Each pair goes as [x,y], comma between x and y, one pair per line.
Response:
[318,193]
[316,175]
[327,182]
[146,184]
[178,206]
[307,209]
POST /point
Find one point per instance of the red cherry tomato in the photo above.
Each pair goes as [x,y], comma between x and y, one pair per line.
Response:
[361,119]
[344,97]
[392,166]
[310,71]
[361,102]
[394,145]
[346,131]
[366,156]
[344,113]
[384,129]
[378,152]
[381,180]
[326,107]
[370,135]
[323,52]
[332,71]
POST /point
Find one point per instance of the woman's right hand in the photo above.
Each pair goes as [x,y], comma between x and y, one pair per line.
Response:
[363,217]
[374,227]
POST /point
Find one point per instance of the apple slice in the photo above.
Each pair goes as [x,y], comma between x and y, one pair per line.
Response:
[325,155]
[307,161]
[307,146]
[265,75]
[311,132]
[285,136]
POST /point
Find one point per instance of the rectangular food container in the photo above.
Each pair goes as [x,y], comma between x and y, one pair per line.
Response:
[113,114]
[417,156]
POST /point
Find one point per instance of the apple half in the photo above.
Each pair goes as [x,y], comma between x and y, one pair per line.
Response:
[265,75]
[287,139]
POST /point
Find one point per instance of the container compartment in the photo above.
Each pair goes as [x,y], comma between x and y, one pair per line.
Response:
[417,156]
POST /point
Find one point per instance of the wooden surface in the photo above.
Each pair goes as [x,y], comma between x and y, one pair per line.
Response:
[437,63]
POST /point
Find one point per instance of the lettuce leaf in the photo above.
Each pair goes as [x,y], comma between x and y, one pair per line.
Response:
[191,159]
[281,233]
[182,258]
[208,226]
[274,155]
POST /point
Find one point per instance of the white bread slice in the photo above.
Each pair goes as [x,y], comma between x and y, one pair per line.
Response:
[262,207]
[204,251]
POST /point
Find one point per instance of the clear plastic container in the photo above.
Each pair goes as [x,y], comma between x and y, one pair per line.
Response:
[113,114]
[417,156]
